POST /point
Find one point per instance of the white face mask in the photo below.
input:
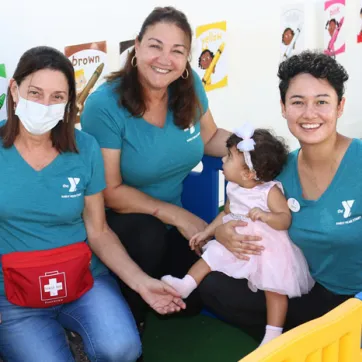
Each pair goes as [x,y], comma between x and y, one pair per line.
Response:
[38,118]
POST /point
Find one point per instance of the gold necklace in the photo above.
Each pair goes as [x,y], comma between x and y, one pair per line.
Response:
[310,174]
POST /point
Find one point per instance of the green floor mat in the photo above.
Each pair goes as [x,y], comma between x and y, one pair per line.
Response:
[193,339]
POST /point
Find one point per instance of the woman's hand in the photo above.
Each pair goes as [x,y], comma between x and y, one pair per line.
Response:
[240,245]
[189,224]
[160,296]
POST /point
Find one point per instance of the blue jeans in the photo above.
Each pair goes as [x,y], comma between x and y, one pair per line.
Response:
[101,316]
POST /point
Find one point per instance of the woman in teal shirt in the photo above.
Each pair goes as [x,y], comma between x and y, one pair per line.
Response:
[322,184]
[51,205]
[153,124]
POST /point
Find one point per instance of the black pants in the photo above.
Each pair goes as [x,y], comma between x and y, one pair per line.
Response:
[233,301]
[157,250]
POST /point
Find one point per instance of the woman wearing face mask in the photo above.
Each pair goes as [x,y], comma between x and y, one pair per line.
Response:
[51,217]
[153,123]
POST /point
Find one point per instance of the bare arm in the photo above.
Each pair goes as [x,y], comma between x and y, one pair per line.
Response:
[279,217]
[210,229]
[106,245]
[200,239]
[125,199]
[214,138]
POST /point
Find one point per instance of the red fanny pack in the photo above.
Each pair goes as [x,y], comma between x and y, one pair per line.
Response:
[41,279]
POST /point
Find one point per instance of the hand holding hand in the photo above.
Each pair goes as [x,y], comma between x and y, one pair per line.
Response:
[198,241]
[189,224]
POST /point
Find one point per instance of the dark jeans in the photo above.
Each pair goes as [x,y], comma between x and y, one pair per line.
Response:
[232,300]
[157,249]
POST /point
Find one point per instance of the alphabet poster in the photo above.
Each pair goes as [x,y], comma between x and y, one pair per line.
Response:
[3,92]
[90,65]
[292,31]
[334,27]
[211,55]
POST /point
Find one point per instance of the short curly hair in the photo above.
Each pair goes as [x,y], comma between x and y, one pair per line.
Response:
[268,157]
[317,64]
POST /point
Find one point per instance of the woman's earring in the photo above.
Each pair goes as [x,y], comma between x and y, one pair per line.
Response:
[134,62]
[185,76]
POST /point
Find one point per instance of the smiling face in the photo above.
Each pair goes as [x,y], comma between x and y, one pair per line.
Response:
[311,109]
[162,55]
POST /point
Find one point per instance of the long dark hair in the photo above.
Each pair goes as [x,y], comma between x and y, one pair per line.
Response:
[183,100]
[38,58]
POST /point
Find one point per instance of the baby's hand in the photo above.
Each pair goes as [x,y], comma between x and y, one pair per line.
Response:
[258,214]
[198,241]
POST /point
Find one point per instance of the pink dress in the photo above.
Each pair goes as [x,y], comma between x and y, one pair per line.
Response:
[280,268]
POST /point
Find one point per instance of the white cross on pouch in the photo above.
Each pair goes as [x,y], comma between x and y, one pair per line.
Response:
[53,287]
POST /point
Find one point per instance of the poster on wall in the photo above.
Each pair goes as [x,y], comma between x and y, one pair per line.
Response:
[211,55]
[291,30]
[334,32]
[125,47]
[90,66]
[359,35]
[3,92]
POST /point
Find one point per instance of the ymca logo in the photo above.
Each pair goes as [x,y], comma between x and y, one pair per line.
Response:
[191,129]
[73,181]
[191,136]
[347,206]
[72,187]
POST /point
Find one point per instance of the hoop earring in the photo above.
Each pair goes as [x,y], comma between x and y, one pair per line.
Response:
[186,76]
[134,62]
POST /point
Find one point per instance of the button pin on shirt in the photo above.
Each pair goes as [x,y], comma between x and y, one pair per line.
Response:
[293,205]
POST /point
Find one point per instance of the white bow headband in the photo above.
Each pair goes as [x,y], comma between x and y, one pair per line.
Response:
[247,144]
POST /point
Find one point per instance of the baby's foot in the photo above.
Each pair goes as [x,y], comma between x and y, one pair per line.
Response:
[271,333]
[184,286]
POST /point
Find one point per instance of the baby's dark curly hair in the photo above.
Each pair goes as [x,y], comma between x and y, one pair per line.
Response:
[317,64]
[269,156]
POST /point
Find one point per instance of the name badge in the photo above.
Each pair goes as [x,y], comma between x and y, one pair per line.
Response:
[293,205]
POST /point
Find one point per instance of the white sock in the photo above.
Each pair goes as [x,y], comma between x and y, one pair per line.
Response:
[184,286]
[271,332]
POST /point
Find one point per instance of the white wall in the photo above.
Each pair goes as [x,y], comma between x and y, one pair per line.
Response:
[253,46]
